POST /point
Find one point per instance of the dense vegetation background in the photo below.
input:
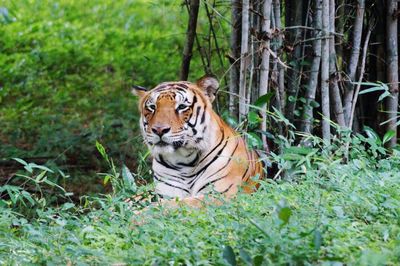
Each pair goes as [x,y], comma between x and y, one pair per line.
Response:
[69,121]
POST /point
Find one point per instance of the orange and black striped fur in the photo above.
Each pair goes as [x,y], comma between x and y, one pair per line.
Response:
[194,151]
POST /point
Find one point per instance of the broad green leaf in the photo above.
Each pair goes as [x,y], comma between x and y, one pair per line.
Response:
[317,239]
[129,180]
[314,104]
[264,99]
[101,150]
[254,140]
[229,255]
[68,205]
[230,119]
[254,118]
[372,134]
[245,256]
[388,136]
[284,214]
[258,260]
[106,179]
[298,150]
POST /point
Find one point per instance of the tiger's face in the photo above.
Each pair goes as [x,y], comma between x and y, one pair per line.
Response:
[174,114]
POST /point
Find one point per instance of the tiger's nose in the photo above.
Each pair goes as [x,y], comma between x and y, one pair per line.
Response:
[160,130]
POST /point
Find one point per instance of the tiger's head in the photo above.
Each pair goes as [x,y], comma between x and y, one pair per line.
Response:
[174,115]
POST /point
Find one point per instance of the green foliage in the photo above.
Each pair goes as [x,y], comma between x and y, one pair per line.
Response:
[65,76]
[66,69]
[332,212]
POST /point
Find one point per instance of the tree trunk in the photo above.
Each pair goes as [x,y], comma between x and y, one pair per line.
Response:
[190,37]
[280,80]
[354,58]
[341,19]
[264,68]
[334,86]
[244,59]
[392,67]
[235,54]
[295,18]
[363,60]
[326,132]
[307,116]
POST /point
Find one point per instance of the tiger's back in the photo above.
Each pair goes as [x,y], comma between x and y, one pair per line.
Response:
[194,151]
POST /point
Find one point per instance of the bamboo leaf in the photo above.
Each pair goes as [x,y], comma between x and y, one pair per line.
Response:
[254,118]
[384,95]
[42,167]
[20,161]
[371,90]
[388,136]
[264,99]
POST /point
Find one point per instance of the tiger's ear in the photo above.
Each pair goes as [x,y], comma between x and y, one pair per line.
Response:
[209,85]
[139,91]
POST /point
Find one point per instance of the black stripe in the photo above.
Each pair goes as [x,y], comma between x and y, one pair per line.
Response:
[161,161]
[207,165]
[180,89]
[223,167]
[160,88]
[210,183]
[203,117]
[169,175]
[222,139]
[226,190]
[194,101]
[168,184]
[247,169]
[192,163]
[181,85]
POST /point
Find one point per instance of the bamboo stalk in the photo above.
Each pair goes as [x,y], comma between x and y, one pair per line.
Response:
[334,86]
[281,70]
[264,68]
[235,54]
[326,132]
[295,18]
[392,59]
[313,80]
[363,59]
[244,58]
[354,58]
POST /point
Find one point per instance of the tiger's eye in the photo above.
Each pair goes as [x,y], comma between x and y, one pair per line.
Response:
[151,107]
[182,107]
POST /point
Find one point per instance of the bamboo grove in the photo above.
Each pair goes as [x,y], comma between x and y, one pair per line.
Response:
[326,62]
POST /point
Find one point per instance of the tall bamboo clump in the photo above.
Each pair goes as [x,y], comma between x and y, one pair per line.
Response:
[327,63]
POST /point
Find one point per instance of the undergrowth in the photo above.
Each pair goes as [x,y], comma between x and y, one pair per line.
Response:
[324,211]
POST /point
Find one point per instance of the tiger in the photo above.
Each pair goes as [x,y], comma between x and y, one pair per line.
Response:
[194,151]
